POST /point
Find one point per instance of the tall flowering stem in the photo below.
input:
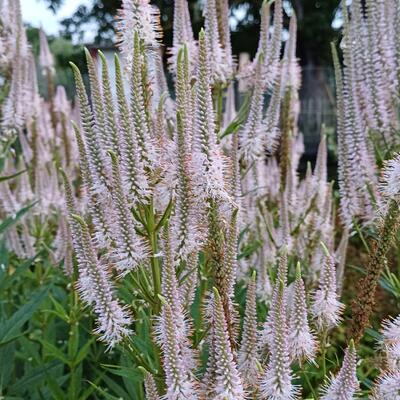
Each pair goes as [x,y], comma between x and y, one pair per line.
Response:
[363,305]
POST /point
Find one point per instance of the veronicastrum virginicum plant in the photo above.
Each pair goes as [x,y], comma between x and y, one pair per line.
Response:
[170,186]
[180,202]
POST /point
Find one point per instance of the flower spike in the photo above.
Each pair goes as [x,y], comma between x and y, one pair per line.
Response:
[345,384]
[302,342]
[326,307]
[276,383]
[248,351]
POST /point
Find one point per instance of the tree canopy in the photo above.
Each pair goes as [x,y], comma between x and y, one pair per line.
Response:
[315,30]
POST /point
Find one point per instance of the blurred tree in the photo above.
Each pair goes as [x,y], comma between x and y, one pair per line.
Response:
[314,22]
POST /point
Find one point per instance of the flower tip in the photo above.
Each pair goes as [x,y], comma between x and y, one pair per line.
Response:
[298,271]
[281,286]
[162,299]
[78,219]
[325,249]
[216,293]
[143,370]
[254,276]
[113,156]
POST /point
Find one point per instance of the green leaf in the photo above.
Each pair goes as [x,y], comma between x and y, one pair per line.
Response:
[7,280]
[54,388]
[10,328]
[238,121]
[7,352]
[34,377]
[83,351]
[15,218]
[115,387]
[126,372]
[374,334]
[54,351]
[59,310]
[104,393]
[5,151]
[165,216]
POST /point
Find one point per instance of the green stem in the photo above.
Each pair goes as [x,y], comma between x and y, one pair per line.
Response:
[304,372]
[364,242]
[219,106]
[323,351]
[154,261]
